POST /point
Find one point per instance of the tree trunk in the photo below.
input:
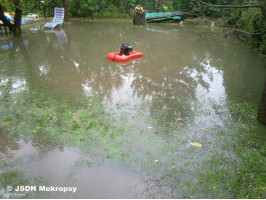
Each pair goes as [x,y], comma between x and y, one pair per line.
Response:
[262,107]
[159,6]
[17,19]
[139,19]
[174,5]
[64,2]
[263,7]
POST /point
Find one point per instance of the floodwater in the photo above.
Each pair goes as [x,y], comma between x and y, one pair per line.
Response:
[187,75]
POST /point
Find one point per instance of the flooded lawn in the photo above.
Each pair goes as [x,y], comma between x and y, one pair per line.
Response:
[180,122]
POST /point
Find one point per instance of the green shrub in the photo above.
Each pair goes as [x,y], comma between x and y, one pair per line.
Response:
[84,8]
[112,9]
[252,21]
[115,15]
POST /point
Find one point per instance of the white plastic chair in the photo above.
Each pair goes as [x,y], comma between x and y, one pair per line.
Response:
[59,14]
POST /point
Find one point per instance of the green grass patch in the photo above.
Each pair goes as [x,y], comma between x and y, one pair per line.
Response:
[229,166]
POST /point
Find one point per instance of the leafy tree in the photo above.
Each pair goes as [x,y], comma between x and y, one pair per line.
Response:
[127,4]
[112,9]
[84,8]
[87,8]
[248,20]
[75,5]
[31,6]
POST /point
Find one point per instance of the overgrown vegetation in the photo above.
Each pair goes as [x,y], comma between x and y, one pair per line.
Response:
[253,22]
[249,24]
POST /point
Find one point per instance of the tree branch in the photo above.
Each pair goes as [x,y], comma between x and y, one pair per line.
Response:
[249,3]
[261,4]
[248,33]
[235,30]
[256,5]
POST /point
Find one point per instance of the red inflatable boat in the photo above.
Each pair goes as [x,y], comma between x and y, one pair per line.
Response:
[117,57]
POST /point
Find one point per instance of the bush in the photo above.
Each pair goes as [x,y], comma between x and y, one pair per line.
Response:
[115,15]
[112,9]
[252,21]
[84,8]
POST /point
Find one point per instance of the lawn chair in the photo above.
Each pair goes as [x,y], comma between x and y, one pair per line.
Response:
[58,18]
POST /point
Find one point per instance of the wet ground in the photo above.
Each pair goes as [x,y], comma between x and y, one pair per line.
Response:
[171,124]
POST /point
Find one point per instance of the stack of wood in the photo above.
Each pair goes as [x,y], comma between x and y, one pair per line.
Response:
[139,17]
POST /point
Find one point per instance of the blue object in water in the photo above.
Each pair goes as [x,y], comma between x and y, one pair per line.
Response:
[11,19]
[9,45]
[27,20]
[6,46]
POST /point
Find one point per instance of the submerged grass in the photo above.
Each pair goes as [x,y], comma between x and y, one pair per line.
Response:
[14,177]
[229,166]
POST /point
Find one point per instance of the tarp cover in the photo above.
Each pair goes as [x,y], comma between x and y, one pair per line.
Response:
[163,14]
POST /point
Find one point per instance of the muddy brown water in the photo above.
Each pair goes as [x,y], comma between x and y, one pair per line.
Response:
[180,69]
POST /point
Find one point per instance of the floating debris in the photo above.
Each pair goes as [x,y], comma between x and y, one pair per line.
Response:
[196,144]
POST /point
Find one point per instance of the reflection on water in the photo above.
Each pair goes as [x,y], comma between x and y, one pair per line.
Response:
[182,76]
[169,76]
[60,34]
[57,163]
[108,180]
[161,29]
[11,147]
[178,76]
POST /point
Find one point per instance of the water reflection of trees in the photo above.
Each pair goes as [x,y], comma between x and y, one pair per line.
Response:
[7,144]
[168,74]
[153,188]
